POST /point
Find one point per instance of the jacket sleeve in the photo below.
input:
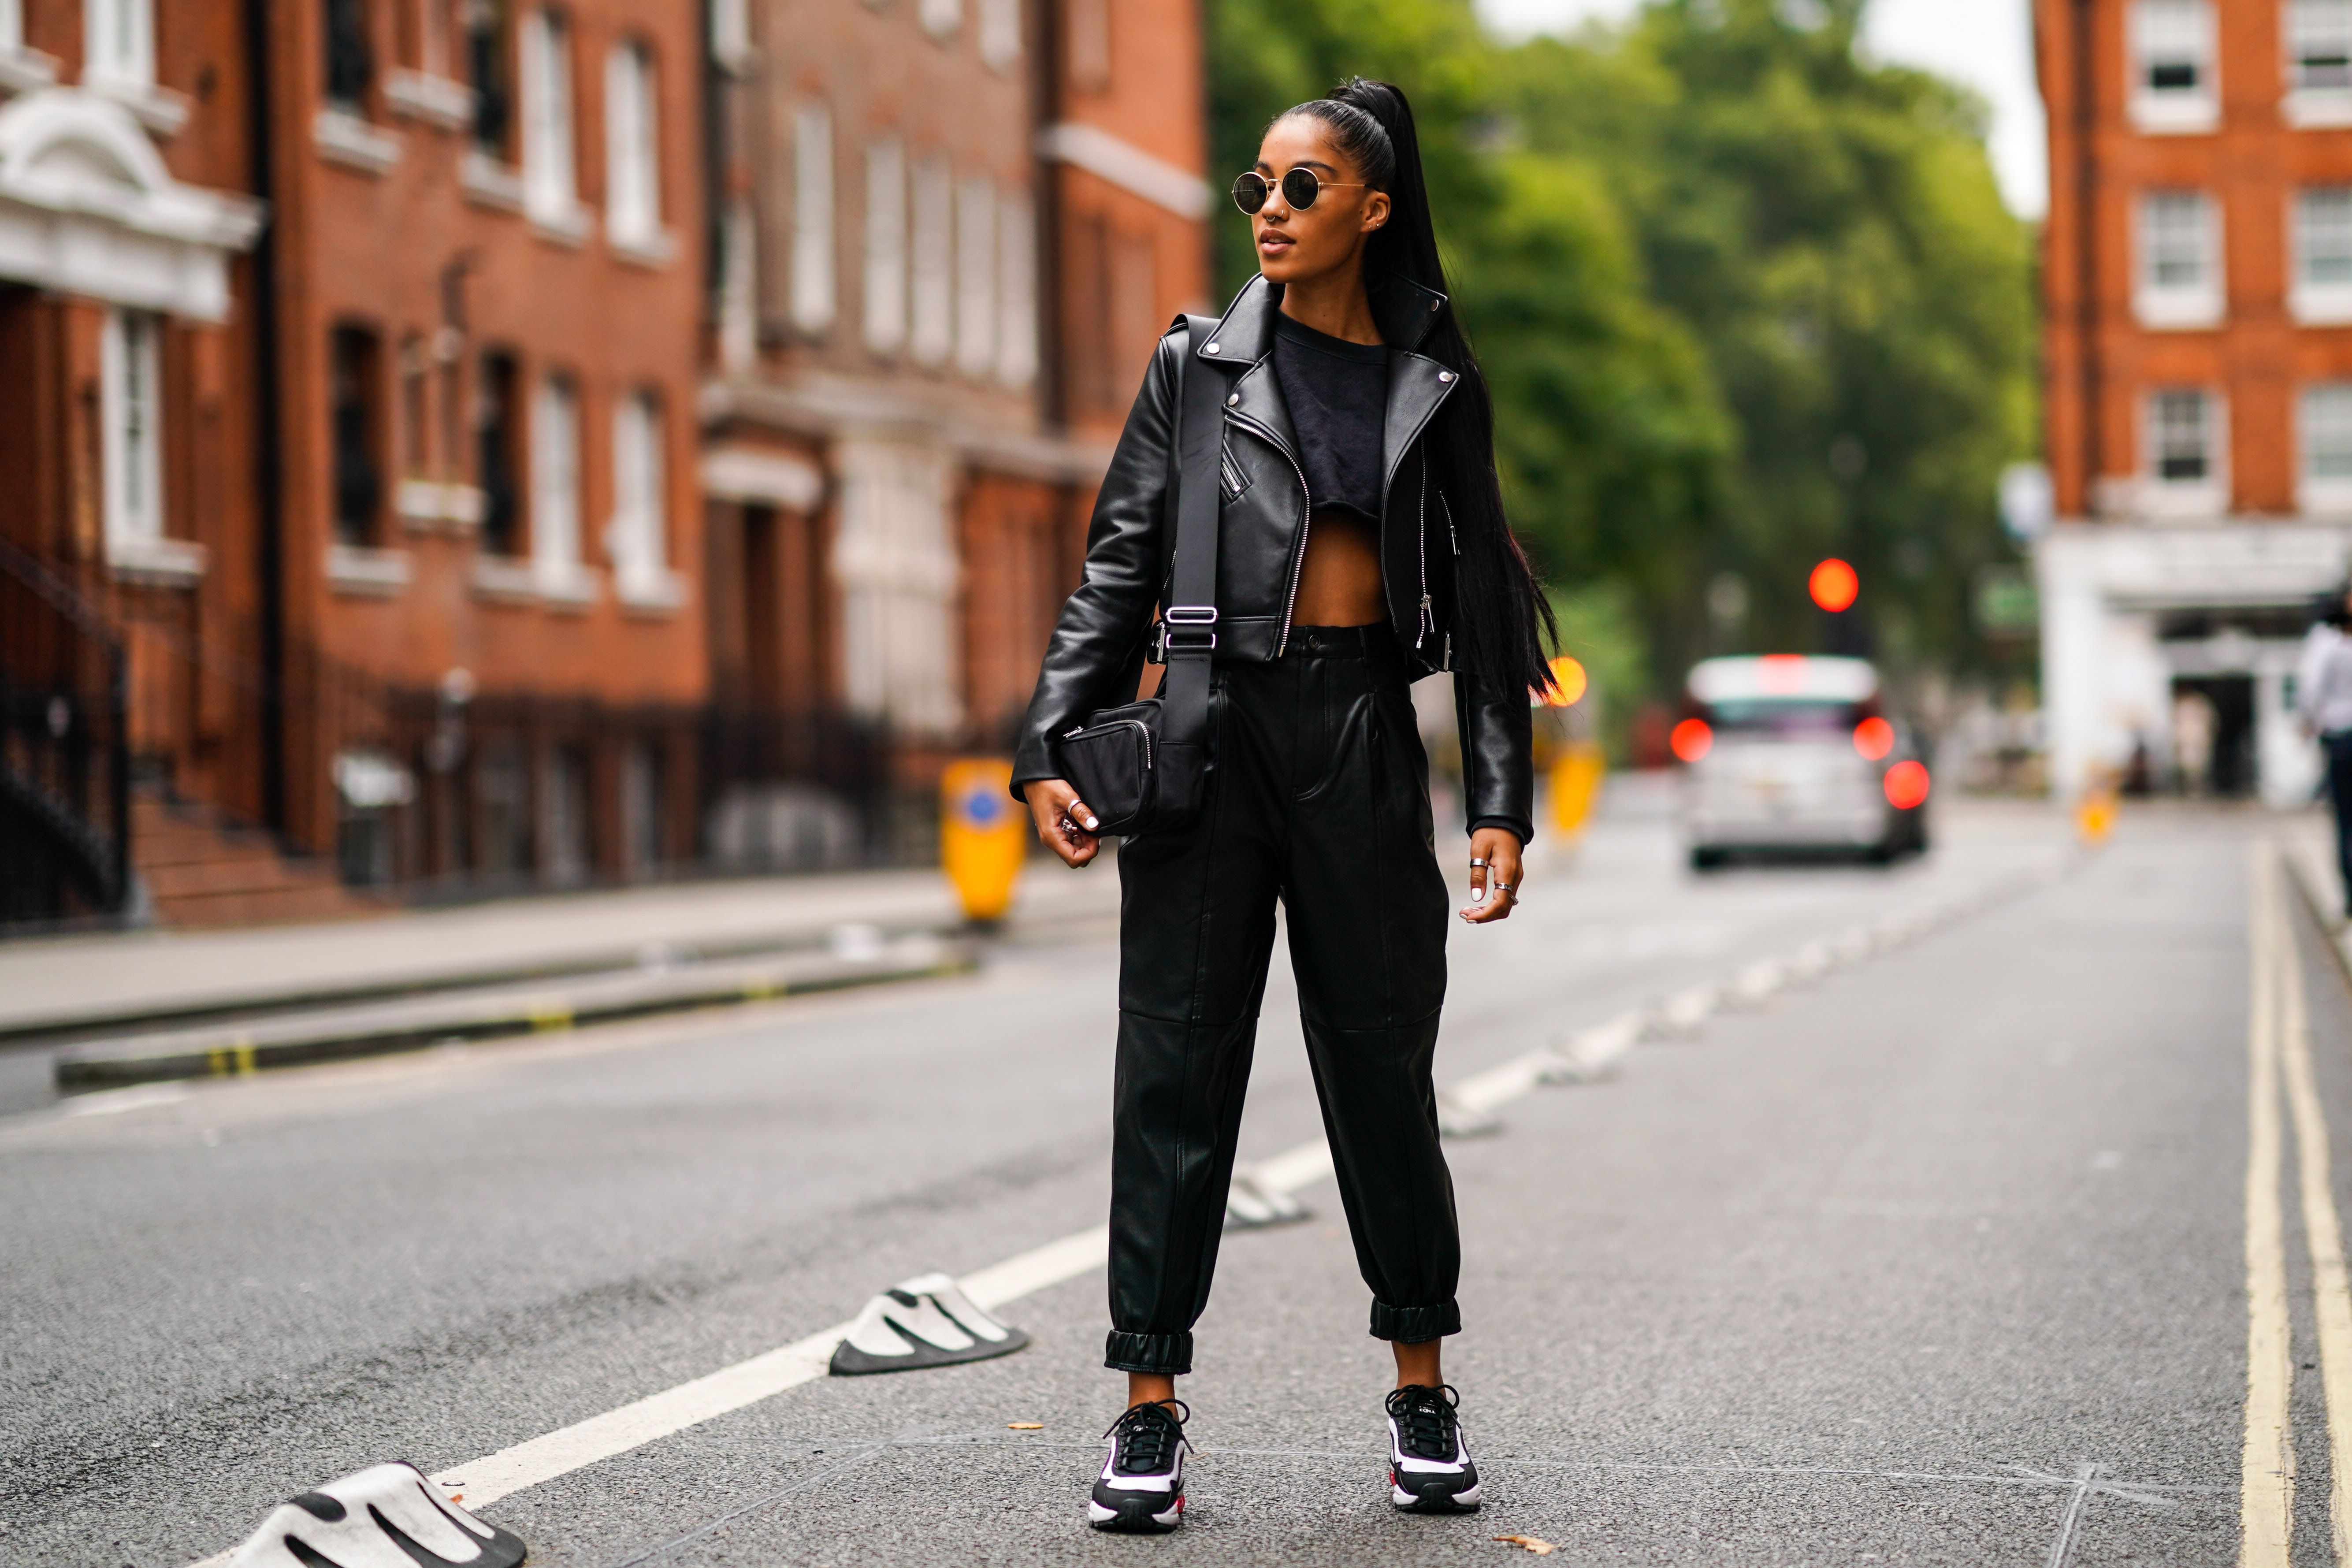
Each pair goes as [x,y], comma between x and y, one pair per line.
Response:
[1498,769]
[1103,625]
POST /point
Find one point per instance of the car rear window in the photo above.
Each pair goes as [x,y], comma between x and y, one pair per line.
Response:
[1782,718]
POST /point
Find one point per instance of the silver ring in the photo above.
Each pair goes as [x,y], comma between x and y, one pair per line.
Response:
[1503,886]
[1475,862]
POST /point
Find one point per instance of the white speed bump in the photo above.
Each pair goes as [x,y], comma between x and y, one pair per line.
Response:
[921,1322]
[387,1516]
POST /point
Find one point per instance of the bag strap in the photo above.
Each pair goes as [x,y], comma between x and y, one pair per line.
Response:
[1189,621]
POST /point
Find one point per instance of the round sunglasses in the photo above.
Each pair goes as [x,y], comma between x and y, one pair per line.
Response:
[1300,188]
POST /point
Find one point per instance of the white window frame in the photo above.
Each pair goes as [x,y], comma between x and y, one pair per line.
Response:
[885,245]
[2201,499]
[119,43]
[2179,305]
[632,149]
[815,290]
[2316,235]
[2324,449]
[1000,34]
[2307,28]
[975,306]
[2158,30]
[730,34]
[1016,289]
[930,327]
[130,398]
[551,178]
[637,539]
[554,523]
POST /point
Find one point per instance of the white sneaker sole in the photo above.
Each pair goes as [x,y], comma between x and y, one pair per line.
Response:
[1098,1515]
[1413,1501]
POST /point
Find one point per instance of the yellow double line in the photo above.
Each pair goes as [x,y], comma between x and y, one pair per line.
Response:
[2279,1045]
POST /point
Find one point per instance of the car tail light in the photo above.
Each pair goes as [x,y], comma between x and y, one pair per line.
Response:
[1906,785]
[1691,740]
[1874,738]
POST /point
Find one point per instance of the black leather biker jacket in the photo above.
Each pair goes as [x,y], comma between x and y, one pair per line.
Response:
[1100,644]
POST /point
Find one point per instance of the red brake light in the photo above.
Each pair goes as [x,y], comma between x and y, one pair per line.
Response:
[1874,738]
[1906,785]
[1691,740]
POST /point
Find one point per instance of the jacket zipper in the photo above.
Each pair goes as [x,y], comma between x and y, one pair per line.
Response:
[1136,724]
[1305,521]
[1428,622]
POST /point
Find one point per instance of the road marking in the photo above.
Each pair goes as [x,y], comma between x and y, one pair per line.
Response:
[2331,1294]
[2070,1523]
[2266,1472]
[112,1101]
[544,1459]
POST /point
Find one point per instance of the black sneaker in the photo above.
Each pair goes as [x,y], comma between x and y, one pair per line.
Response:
[1429,1460]
[1142,1487]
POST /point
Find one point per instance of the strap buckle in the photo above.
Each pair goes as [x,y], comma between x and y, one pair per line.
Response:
[1183,629]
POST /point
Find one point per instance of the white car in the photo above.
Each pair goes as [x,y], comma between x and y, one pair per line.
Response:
[1787,752]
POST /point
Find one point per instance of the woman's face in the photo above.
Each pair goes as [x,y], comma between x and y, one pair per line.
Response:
[1295,245]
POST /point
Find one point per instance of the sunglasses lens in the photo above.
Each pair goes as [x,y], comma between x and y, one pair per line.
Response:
[1250,193]
[1300,188]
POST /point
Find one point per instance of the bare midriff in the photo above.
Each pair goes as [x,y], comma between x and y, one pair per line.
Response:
[1340,583]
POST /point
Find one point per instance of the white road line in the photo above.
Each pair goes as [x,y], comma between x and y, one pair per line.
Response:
[2266,1474]
[2331,1295]
[543,1458]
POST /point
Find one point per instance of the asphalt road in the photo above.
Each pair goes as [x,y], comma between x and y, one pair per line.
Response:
[1941,1259]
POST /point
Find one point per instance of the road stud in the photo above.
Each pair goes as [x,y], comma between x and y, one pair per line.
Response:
[921,1322]
[386,1514]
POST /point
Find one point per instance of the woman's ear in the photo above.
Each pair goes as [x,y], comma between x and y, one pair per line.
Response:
[1375,210]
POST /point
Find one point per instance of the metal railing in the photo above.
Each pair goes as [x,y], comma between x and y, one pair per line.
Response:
[64,754]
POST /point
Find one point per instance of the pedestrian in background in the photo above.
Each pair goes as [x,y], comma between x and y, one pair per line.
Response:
[2323,699]
[1360,545]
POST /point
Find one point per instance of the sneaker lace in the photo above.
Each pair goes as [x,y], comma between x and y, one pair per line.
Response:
[1145,1438]
[1425,1419]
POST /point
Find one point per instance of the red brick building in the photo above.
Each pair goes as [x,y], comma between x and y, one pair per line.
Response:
[2198,341]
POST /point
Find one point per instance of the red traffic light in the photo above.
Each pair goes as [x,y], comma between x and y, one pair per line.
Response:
[1833,586]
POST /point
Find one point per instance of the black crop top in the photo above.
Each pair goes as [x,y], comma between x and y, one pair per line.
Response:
[1337,394]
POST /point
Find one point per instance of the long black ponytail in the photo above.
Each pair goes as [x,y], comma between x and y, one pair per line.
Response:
[1503,625]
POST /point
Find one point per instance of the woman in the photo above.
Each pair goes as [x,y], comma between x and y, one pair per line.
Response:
[1361,545]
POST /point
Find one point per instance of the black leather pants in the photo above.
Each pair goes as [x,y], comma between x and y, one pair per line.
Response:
[1320,798]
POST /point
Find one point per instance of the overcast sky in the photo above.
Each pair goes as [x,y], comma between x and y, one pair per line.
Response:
[1988,43]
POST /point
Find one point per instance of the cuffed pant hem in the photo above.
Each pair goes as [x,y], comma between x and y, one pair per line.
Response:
[1171,1354]
[1415,1325]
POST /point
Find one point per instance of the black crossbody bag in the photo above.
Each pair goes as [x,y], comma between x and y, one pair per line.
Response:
[1145,765]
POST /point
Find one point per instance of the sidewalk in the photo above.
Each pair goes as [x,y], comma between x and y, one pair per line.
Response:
[84,983]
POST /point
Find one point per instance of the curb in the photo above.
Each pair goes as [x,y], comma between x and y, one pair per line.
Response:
[414,1024]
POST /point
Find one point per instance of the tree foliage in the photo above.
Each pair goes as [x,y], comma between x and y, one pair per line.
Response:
[1745,298]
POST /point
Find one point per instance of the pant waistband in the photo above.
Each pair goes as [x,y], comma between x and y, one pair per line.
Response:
[1344,642]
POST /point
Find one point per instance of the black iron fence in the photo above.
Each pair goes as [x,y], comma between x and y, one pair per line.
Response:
[65,758]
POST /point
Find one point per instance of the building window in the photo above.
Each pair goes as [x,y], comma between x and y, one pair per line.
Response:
[814,293]
[637,543]
[1016,283]
[555,481]
[975,308]
[358,477]
[2186,443]
[415,415]
[350,63]
[2319,46]
[2173,68]
[931,327]
[1000,33]
[2322,289]
[633,165]
[549,182]
[119,43]
[495,453]
[486,72]
[131,406]
[2179,262]
[731,33]
[886,245]
[2325,434]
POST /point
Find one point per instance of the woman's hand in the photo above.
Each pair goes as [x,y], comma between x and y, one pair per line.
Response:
[1495,874]
[1067,825]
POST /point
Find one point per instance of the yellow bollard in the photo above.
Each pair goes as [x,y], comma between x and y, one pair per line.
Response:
[983,835]
[1575,785]
[2095,817]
